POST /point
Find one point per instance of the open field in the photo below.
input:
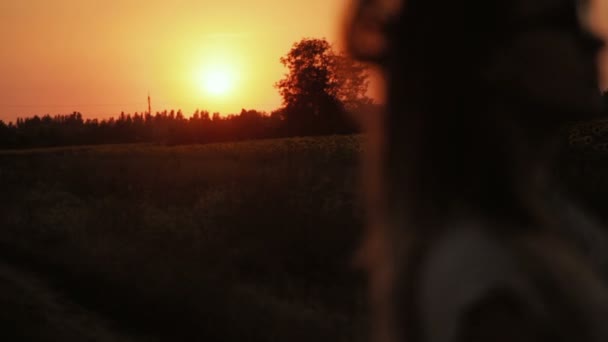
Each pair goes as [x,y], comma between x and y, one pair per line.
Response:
[249,242]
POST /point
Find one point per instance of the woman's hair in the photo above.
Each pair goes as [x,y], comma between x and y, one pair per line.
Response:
[477,92]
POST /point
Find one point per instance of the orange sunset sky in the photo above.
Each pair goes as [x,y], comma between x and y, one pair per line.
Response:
[101,57]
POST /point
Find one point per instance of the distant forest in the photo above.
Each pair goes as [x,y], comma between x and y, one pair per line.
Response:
[321,87]
[318,92]
[166,127]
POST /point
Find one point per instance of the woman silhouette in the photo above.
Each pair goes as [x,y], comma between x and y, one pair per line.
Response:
[469,238]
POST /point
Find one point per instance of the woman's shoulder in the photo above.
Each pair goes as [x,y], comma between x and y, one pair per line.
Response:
[484,286]
[461,269]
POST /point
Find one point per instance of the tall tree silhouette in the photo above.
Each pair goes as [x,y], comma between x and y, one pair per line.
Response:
[352,82]
[318,88]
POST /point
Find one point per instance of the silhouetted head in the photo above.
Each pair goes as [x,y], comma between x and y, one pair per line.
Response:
[547,53]
[476,94]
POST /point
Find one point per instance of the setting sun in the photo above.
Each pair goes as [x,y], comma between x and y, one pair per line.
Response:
[220,56]
[217,81]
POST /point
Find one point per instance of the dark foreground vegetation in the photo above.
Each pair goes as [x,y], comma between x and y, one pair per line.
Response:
[222,242]
[247,241]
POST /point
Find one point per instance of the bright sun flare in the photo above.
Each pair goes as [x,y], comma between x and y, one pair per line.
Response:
[216,81]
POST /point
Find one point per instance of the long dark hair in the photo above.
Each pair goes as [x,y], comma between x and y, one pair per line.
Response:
[477,92]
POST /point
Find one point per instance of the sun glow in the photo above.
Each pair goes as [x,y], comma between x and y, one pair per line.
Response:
[217,80]
[112,64]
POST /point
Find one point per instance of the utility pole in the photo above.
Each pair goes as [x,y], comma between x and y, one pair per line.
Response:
[149,105]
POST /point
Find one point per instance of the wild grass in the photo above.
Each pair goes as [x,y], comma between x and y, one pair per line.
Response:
[249,241]
[246,241]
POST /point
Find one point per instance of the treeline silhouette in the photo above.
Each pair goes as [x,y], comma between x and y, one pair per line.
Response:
[166,127]
[319,89]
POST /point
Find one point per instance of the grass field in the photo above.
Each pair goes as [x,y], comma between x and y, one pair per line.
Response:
[249,241]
